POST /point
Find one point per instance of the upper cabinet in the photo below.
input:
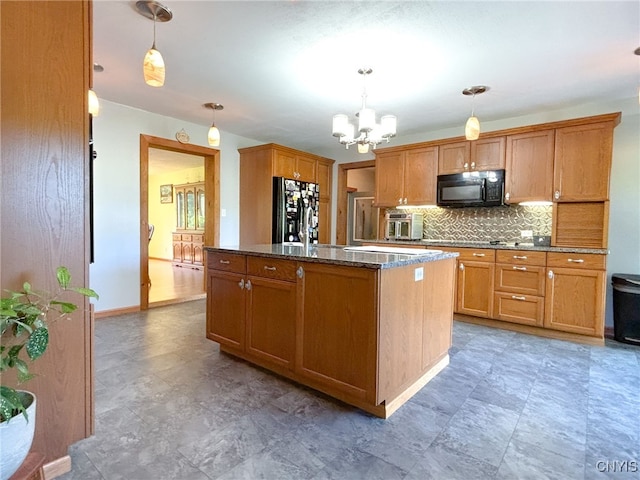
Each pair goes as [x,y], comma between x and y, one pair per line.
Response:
[190,204]
[294,165]
[529,167]
[467,156]
[583,162]
[406,177]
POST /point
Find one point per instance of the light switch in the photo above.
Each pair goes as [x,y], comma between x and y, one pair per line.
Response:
[223,212]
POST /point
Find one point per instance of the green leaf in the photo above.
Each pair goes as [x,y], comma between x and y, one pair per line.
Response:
[87,292]
[26,286]
[37,343]
[22,370]
[64,277]
[9,403]
[65,307]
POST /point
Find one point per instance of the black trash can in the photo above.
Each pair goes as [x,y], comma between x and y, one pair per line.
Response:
[626,307]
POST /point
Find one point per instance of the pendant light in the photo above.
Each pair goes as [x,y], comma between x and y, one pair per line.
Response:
[472,127]
[94,103]
[214,134]
[153,65]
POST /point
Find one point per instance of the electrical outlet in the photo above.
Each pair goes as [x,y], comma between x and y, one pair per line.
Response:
[418,274]
[526,233]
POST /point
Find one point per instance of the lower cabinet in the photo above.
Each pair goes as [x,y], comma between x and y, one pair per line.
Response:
[575,293]
[188,249]
[475,282]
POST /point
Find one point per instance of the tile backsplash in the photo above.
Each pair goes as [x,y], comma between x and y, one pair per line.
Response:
[485,223]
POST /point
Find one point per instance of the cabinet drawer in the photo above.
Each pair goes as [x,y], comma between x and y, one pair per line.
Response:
[176,237]
[186,238]
[523,309]
[197,238]
[577,260]
[476,254]
[272,268]
[521,257]
[523,279]
[229,262]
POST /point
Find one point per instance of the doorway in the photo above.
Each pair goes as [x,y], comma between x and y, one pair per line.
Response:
[362,170]
[211,159]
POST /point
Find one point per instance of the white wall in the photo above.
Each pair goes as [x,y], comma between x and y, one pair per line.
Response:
[624,214]
[115,275]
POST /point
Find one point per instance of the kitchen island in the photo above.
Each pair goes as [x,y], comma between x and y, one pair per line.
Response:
[367,327]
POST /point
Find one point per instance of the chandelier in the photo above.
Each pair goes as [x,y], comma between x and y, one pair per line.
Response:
[370,132]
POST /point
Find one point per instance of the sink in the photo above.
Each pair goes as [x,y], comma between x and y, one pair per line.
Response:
[394,250]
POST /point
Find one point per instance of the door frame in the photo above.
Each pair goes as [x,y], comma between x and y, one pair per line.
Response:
[211,194]
[342,200]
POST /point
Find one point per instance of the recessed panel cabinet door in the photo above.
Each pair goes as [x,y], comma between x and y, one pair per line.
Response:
[389,179]
[530,167]
[420,172]
[475,288]
[271,318]
[226,308]
[574,301]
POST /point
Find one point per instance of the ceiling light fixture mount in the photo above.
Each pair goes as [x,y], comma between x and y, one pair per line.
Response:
[153,66]
[214,134]
[371,133]
[472,127]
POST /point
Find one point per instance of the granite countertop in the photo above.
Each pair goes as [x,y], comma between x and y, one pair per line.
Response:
[339,255]
[501,246]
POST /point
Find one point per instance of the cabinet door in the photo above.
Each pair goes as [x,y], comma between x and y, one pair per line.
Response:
[306,168]
[200,204]
[583,162]
[177,250]
[226,308]
[284,164]
[324,222]
[389,179]
[337,333]
[574,301]
[187,252]
[454,158]
[324,177]
[475,288]
[271,318]
[420,172]
[488,154]
[190,206]
[197,254]
[529,167]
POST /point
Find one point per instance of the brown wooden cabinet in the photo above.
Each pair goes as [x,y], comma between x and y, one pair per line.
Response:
[519,287]
[582,163]
[188,249]
[258,166]
[477,155]
[529,167]
[580,224]
[474,289]
[406,177]
[575,293]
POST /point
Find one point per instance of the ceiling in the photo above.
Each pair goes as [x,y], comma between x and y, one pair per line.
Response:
[282,69]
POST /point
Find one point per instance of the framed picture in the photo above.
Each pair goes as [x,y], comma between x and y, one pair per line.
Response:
[166,193]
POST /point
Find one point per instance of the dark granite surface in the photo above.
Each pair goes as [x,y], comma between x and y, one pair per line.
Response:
[502,246]
[337,255]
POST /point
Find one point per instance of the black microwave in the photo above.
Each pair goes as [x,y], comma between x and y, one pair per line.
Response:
[471,189]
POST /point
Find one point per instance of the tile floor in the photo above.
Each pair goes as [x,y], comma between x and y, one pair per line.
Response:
[169,405]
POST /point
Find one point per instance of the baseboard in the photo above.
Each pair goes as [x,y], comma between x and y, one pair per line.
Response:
[56,468]
[608,332]
[116,311]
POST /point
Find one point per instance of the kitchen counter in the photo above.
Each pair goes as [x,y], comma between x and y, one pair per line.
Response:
[426,243]
[370,328]
[340,255]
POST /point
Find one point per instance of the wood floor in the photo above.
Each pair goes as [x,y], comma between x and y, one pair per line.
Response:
[171,284]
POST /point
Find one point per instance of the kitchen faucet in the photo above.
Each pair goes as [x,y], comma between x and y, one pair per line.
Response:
[305,233]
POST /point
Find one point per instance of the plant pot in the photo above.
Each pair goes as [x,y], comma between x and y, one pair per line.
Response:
[16,436]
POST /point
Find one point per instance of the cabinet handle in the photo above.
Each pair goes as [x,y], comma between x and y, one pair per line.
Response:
[575,260]
[225,262]
[522,269]
[556,195]
[507,196]
[461,267]
[478,254]
[518,297]
[550,274]
[400,201]
[520,257]
[272,269]
[248,285]
[405,201]
[241,284]
[473,164]
[466,165]
[300,272]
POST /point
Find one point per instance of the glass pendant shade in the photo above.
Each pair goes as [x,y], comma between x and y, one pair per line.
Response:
[153,68]
[388,124]
[366,120]
[340,125]
[214,136]
[363,148]
[472,128]
[94,104]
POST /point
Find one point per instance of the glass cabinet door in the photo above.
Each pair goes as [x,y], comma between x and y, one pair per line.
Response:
[200,208]
[180,220]
[191,208]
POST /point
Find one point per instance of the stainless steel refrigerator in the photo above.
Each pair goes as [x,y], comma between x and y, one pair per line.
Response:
[290,200]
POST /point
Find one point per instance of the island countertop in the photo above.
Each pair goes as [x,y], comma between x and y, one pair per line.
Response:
[366,257]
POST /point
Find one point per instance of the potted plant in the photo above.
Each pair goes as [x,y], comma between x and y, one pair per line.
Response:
[24,335]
